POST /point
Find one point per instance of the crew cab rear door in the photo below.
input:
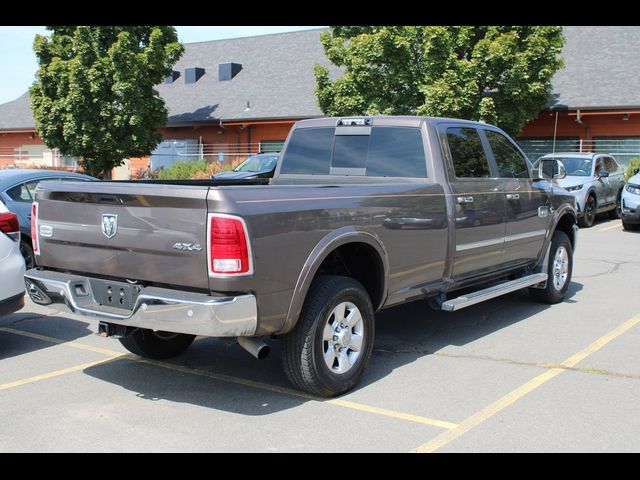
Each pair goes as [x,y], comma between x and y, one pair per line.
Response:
[479,209]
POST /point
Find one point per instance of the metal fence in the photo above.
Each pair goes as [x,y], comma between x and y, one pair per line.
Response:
[622,149]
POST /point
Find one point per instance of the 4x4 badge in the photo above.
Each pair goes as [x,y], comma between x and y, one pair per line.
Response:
[109,224]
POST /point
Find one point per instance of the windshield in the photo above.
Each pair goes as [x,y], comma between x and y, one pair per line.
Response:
[575,166]
[257,163]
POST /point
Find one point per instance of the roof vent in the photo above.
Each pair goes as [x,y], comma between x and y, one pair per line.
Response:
[193,74]
[226,71]
[173,77]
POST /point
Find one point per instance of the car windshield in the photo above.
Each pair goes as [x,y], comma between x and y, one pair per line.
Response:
[576,166]
[257,163]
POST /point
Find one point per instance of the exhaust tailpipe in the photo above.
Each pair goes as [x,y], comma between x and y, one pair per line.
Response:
[255,346]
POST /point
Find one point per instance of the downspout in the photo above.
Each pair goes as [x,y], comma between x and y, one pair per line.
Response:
[586,125]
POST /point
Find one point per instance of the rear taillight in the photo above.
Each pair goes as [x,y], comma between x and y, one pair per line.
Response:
[228,246]
[35,241]
[9,225]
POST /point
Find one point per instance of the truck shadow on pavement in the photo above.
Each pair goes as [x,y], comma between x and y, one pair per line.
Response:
[212,374]
[24,322]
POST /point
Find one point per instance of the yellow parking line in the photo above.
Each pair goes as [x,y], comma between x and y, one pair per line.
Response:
[56,373]
[610,227]
[239,381]
[44,338]
[296,393]
[510,398]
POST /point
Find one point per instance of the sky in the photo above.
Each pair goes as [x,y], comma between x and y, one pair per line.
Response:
[18,62]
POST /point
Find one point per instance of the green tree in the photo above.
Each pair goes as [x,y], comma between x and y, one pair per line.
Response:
[94,93]
[500,75]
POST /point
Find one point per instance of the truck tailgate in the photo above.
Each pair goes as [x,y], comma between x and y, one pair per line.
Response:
[134,231]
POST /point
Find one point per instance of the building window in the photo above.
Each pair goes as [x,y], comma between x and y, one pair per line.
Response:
[623,149]
[267,146]
[534,148]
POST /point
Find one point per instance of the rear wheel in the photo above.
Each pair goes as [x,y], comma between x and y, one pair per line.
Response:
[156,344]
[27,252]
[329,348]
[559,271]
[589,213]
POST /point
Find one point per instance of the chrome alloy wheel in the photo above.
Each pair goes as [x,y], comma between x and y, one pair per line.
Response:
[342,337]
[560,268]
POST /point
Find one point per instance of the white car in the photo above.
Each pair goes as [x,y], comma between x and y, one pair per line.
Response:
[11,263]
[631,202]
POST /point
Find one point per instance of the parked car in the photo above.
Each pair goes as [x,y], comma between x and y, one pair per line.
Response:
[11,263]
[595,180]
[631,202]
[261,165]
[17,189]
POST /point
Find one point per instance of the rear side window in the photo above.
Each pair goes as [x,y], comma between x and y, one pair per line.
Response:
[610,164]
[467,153]
[396,152]
[20,193]
[309,151]
[386,152]
[511,163]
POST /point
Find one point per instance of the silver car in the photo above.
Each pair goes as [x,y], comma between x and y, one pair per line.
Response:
[631,203]
[17,189]
[596,180]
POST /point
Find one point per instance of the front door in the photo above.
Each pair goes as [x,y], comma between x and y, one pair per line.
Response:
[479,204]
[526,202]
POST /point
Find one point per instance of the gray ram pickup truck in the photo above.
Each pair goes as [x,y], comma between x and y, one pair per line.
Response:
[362,213]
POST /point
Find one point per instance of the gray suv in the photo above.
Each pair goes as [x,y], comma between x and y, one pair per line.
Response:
[595,180]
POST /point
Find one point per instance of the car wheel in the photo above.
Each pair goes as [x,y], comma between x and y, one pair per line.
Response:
[617,212]
[329,348]
[559,271]
[27,252]
[589,213]
[156,344]
[630,226]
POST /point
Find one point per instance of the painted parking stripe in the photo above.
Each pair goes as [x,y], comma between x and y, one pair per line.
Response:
[513,396]
[57,373]
[235,380]
[610,227]
[297,393]
[80,346]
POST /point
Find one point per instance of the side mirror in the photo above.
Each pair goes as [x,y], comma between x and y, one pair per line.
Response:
[636,171]
[550,168]
[603,174]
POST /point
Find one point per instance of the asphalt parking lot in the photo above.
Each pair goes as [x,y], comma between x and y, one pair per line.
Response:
[507,375]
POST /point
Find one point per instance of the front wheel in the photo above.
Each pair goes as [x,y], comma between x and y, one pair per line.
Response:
[329,348]
[156,344]
[630,226]
[559,271]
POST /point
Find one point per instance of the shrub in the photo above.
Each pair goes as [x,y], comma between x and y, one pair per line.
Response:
[634,163]
[192,170]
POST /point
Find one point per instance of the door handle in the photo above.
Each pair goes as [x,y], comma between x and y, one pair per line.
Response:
[463,200]
[513,196]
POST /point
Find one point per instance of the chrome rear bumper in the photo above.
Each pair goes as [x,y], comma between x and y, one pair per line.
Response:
[154,308]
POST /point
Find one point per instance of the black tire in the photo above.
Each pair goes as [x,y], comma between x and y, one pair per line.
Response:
[553,293]
[589,216]
[156,344]
[27,253]
[617,211]
[306,354]
[630,226]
